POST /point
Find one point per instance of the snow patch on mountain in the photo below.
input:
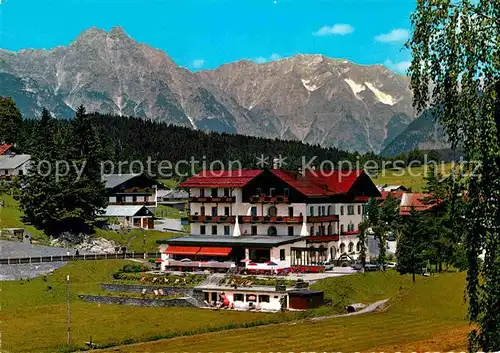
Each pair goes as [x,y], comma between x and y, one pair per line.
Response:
[311,87]
[356,88]
[193,124]
[382,97]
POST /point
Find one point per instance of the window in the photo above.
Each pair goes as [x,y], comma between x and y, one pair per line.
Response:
[272,231]
[351,247]
[342,248]
[282,255]
[214,211]
[20,172]
[350,209]
[227,230]
[226,211]
[238,297]
[254,211]
[214,230]
[330,229]
[227,192]
[250,295]
[134,198]
[286,191]
[272,211]
[330,210]
[263,298]
[298,254]
[214,192]
[341,210]
[290,231]
[290,211]
[342,228]
[358,246]
[202,192]
[202,210]
[258,192]
[311,232]
[272,192]
[323,210]
[254,230]
[359,209]
[319,211]
[203,230]
[311,211]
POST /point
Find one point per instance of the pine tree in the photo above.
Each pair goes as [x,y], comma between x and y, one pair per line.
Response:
[89,192]
[411,246]
[10,121]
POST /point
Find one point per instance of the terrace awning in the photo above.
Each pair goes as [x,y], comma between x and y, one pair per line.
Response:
[182,250]
[214,251]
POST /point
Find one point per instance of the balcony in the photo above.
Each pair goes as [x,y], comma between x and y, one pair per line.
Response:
[219,199]
[132,203]
[322,219]
[322,238]
[269,199]
[212,219]
[271,219]
[353,232]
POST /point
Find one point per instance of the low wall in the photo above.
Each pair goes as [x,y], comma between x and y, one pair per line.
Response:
[138,288]
[102,299]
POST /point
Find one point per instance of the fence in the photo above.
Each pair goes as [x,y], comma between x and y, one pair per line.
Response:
[58,258]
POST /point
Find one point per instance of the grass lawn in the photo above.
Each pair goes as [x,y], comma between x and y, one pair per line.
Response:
[33,317]
[164,211]
[169,183]
[417,313]
[10,217]
[409,177]
[137,240]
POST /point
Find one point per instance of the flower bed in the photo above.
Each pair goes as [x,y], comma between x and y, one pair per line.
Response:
[187,280]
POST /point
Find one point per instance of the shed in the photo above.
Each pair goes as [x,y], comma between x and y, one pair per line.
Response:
[304,299]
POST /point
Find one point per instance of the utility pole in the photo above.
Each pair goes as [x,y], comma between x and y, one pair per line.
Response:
[68,314]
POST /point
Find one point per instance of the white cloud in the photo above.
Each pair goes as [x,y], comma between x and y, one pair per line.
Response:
[400,67]
[337,29]
[262,59]
[198,63]
[396,35]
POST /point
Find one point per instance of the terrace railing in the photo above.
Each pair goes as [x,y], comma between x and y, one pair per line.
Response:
[212,219]
[217,199]
[271,219]
[269,199]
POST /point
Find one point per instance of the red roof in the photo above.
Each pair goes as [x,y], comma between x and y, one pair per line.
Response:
[310,184]
[182,250]
[4,148]
[414,201]
[395,194]
[214,251]
[320,184]
[226,178]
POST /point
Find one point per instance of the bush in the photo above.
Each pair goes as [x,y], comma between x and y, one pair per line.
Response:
[134,268]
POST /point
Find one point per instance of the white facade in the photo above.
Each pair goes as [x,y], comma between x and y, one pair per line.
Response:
[243,221]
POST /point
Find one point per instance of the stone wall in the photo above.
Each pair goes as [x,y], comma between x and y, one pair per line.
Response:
[137,288]
[102,299]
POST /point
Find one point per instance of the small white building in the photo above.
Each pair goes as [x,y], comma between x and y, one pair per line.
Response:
[131,216]
[12,165]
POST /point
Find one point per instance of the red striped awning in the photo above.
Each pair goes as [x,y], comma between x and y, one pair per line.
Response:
[214,251]
[182,250]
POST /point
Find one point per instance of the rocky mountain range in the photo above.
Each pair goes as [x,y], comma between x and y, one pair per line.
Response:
[310,98]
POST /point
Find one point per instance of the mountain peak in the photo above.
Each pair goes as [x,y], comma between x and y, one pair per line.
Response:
[118,31]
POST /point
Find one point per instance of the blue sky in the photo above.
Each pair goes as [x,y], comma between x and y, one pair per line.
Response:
[204,34]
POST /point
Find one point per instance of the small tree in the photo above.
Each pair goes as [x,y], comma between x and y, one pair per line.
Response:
[411,246]
[363,228]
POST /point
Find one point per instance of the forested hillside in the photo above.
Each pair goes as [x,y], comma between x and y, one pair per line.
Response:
[129,139]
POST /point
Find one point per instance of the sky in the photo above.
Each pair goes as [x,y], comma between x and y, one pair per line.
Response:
[204,34]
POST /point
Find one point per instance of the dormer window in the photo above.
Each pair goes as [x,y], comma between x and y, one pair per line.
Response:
[286,192]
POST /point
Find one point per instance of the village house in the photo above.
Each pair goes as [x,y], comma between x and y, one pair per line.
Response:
[271,217]
[12,165]
[130,197]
